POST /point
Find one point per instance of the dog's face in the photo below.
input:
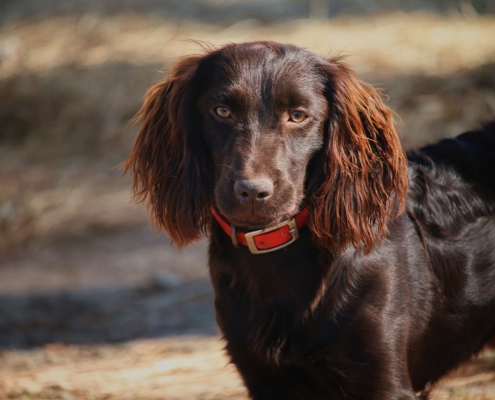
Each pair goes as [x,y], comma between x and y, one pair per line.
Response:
[258,129]
[262,117]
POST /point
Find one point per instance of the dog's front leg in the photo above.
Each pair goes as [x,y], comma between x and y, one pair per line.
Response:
[298,382]
[286,381]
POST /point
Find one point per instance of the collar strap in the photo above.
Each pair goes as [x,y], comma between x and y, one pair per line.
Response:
[268,239]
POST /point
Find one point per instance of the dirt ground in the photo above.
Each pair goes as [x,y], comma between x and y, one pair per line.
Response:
[178,368]
[93,303]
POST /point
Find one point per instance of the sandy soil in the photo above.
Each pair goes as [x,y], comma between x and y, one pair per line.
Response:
[184,368]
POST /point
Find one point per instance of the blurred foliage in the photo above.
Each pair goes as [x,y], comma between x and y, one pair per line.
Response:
[70,111]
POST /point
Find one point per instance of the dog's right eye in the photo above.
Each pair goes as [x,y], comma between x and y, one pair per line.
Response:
[223,111]
[297,117]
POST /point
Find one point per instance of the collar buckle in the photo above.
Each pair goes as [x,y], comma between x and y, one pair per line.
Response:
[291,223]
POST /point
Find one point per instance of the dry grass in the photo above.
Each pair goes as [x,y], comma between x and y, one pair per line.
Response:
[393,43]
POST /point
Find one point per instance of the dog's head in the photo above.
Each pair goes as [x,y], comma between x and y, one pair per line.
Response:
[259,130]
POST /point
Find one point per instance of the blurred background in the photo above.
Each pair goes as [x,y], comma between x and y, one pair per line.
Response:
[93,303]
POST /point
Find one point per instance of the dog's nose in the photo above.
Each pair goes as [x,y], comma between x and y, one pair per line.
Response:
[253,190]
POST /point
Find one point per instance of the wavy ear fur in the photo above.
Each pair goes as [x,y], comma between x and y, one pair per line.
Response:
[168,163]
[361,177]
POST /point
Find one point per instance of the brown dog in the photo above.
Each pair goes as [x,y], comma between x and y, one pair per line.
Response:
[370,301]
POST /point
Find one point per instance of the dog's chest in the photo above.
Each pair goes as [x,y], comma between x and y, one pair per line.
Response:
[271,308]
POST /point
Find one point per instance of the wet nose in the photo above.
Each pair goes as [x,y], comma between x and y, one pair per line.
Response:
[253,190]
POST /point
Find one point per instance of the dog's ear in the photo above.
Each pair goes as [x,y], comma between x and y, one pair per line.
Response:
[168,163]
[360,179]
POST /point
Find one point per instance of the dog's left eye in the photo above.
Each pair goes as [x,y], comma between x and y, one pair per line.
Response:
[297,117]
[223,111]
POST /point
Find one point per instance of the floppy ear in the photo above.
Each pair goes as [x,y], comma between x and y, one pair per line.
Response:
[361,177]
[168,163]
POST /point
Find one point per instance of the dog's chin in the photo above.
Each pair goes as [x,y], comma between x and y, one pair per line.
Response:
[255,221]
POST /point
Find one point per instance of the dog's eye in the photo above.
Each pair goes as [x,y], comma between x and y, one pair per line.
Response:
[223,111]
[297,117]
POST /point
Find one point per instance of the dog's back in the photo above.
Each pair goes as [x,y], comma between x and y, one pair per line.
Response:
[451,202]
[472,155]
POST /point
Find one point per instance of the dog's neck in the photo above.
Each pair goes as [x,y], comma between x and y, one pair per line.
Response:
[268,239]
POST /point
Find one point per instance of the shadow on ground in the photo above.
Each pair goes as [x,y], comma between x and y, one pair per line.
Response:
[106,315]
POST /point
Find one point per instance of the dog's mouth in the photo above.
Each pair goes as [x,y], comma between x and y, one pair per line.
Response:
[255,221]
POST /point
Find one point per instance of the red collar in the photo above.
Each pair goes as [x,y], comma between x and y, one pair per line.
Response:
[268,239]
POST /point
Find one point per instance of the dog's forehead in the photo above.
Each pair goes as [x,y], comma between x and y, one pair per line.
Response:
[260,65]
